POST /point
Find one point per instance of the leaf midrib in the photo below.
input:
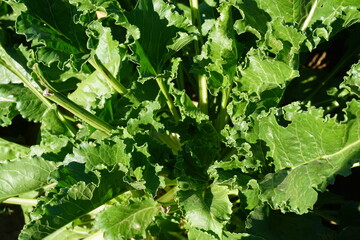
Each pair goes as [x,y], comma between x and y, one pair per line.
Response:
[328,156]
[126,219]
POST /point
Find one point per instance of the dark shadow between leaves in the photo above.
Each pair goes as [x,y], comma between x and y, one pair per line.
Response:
[274,225]
[323,70]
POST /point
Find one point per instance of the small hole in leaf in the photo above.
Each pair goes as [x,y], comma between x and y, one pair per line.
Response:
[280,119]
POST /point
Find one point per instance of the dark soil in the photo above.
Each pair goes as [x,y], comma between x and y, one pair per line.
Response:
[11,221]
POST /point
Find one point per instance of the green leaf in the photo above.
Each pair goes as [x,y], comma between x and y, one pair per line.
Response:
[241,236]
[284,41]
[24,100]
[7,111]
[108,50]
[327,18]
[263,73]
[102,154]
[87,4]
[122,154]
[181,99]
[90,5]
[293,12]
[7,64]
[253,20]
[252,195]
[23,175]
[186,106]
[241,164]
[145,175]
[10,13]
[76,194]
[207,209]
[11,150]
[167,31]
[68,232]
[54,136]
[6,75]
[50,25]
[330,12]
[221,49]
[200,150]
[229,173]
[52,124]
[204,145]
[296,12]
[12,94]
[144,116]
[352,81]
[300,169]
[330,17]
[93,91]
[62,80]
[128,221]
[194,234]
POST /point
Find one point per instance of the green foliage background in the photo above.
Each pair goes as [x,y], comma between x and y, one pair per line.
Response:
[181,120]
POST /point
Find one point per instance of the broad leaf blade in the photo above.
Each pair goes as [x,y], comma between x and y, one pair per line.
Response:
[50,25]
[76,194]
[328,12]
[127,221]
[11,150]
[23,175]
[103,154]
[331,148]
[92,92]
[254,19]
[208,209]
[6,75]
[292,11]
[26,103]
[194,234]
[263,73]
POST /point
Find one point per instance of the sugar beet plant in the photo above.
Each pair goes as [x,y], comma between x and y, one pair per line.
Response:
[180,120]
